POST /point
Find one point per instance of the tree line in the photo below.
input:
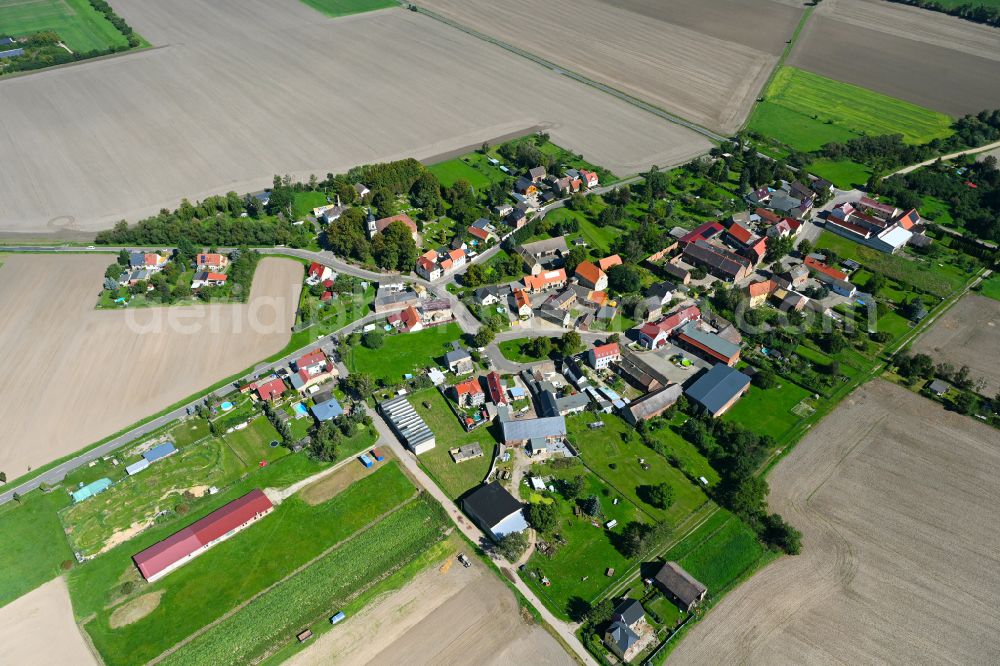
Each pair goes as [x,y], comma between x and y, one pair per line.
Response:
[976,12]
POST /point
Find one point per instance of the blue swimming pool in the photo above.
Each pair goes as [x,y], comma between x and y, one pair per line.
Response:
[226,406]
[301,409]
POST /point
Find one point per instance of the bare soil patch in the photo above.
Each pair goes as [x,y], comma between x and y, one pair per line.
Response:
[38,628]
[446,615]
[244,89]
[75,375]
[135,610]
[699,77]
[760,24]
[927,58]
[896,501]
[968,334]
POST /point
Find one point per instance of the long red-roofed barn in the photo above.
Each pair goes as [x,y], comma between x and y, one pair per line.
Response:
[181,547]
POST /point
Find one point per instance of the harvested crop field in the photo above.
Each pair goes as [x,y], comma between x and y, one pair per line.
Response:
[968,334]
[440,617]
[896,501]
[39,628]
[75,374]
[219,108]
[694,67]
[924,57]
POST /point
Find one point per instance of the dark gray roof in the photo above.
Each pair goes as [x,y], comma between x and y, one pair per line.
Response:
[654,403]
[717,387]
[716,257]
[629,611]
[456,355]
[680,583]
[545,246]
[939,386]
[621,636]
[537,172]
[490,504]
[714,342]
[661,289]
[515,430]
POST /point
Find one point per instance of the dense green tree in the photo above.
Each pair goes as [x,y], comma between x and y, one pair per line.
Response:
[661,495]
[373,339]
[512,546]
[624,279]
[543,516]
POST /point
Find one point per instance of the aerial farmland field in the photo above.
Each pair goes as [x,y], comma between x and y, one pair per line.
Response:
[895,499]
[968,335]
[135,134]
[81,27]
[928,58]
[693,68]
[94,372]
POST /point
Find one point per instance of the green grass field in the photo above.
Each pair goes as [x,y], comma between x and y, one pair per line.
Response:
[689,458]
[991,287]
[33,546]
[577,568]
[253,443]
[304,202]
[234,570]
[454,478]
[805,111]
[77,23]
[768,412]
[320,590]
[718,552]
[845,174]
[513,351]
[403,353]
[346,7]
[613,453]
[472,167]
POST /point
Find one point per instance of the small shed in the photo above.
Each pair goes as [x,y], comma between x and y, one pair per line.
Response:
[334,619]
[160,451]
[136,467]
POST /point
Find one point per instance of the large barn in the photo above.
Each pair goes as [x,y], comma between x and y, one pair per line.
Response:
[181,547]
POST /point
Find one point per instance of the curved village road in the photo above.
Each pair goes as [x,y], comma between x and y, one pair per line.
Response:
[949,156]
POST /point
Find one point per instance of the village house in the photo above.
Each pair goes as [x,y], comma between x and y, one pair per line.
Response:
[602,356]
[498,392]
[269,388]
[206,279]
[561,318]
[639,370]
[536,174]
[211,262]
[361,190]
[433,264]
[376,227]
[459,361]
[757,292]
[652,404]
[606,263]
[589,178]
[718,261]
[835,279]
[543,255]
[534,284]
[517,432]
[491,294]
[310,369]
[468,393]
[628,626]
[149,261]
[526,187]
[654,336]
[407,320]
[522,304]
[561,301]
[591,276]
[317,273]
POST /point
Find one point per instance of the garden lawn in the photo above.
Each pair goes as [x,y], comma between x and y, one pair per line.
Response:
[472,168]
[688,457]
[613,452]
[135,501]
[512,351]
[77,23]
[233,570]
[304,202]
[33,544]
[402,353]
[253,443]
[346,7]
[189,431]
[815,110]
[320,590]
[768,411]
[894,324]
[991,287]
[456,479]
[934,276]
[718,552]
[577,568]
[845,174]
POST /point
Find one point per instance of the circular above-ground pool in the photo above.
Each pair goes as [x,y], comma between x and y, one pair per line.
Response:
[226,406]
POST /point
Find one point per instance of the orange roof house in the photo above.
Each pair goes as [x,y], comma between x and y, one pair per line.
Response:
[591,276]
[607,262]
[759,291]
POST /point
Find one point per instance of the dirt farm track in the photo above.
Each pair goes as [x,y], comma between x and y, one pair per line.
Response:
[74,375]
[238,90]
[896,499]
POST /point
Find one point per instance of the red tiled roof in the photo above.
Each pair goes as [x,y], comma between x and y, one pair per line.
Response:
[702,232]
[481,234]
[316,269]
[312,358]
[589,272]
[327,295]
[198,534]
[521,298]
[820,267]
[410,317]
[210,259]
[677,318]
[909,218]
[271,389]
[650,330]
[216,277]
[765,214]
[876,205]
[761,288]
[469,386]
[497,393]
[456,254]
[607,262]
[599,297]
[740,233]
[610,349]
[535,282]
[426,264]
